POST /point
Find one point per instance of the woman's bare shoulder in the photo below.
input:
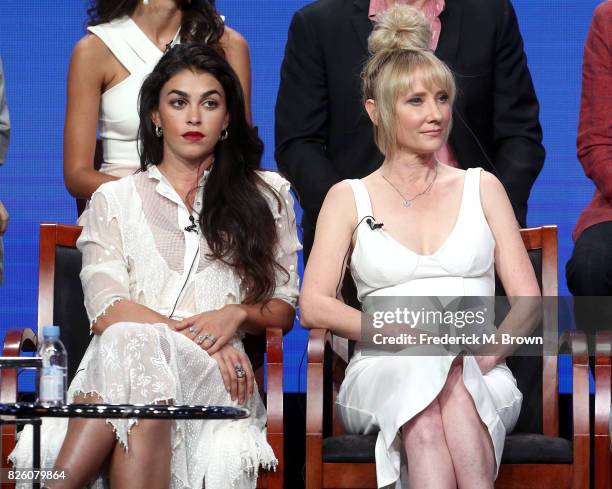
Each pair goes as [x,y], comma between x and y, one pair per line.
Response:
[491,189]
[91,49]
[92,61]
[232,39]
[341,194]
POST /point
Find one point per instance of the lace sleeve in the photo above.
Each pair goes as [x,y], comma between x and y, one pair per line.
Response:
[104,273]
[287,287]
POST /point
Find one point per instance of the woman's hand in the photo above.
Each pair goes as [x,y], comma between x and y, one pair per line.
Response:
[486,363]
[213,329]
[236,371]
[4,217]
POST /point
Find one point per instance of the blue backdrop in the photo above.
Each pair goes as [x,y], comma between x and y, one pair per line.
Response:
[36,39]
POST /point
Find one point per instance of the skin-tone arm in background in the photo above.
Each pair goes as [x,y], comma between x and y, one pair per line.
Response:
[236,51]
[5,132]
[87,79]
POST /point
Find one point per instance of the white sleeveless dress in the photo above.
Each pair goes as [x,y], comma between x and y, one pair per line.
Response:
[381,393]
[118,116]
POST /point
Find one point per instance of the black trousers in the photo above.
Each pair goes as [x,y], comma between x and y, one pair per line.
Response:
[589,279]
[589,270]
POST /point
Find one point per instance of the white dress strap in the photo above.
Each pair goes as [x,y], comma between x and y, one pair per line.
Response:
[472,192]
[132,48]
[362,198]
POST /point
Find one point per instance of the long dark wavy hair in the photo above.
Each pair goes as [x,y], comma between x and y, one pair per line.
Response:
[201,22]
[236,219]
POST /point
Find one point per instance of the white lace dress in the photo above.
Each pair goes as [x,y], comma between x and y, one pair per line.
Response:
[135,248]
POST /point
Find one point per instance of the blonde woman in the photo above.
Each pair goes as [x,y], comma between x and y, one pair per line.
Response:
[446,231]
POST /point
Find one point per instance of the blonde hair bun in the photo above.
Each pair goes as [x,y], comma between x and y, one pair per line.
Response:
[400,27]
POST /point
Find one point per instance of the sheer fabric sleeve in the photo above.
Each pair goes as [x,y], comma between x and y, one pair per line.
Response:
[287,281]
[104,273]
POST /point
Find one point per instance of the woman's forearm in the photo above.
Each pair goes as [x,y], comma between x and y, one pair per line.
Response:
[524,315]
[276,313]
[83,183]
[330,313]
[127,311]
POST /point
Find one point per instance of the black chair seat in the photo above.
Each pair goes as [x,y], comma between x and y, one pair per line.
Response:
[519,449]
[531,448]
[349,449]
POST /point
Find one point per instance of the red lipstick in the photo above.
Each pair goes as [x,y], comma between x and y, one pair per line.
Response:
[193,136]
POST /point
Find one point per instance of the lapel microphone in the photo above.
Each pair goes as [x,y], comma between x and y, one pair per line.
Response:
[373,224]
[193,227]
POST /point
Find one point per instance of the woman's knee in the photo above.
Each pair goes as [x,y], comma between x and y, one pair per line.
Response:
[454,390]
[157,428]
[425,427]
[132,343]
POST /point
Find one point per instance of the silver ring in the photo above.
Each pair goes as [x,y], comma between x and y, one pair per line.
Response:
[210,337]
[240,372]
[200,339]
[192,329]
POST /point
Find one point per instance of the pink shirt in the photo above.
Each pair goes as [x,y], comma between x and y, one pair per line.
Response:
[432,10]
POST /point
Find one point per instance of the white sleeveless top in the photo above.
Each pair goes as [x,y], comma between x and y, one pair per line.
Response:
[118,117]
[462,266]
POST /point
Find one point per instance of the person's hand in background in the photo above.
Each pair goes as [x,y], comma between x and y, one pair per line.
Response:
[4,218]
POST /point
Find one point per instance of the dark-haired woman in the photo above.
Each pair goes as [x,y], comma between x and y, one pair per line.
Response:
[179,260]
[126,39]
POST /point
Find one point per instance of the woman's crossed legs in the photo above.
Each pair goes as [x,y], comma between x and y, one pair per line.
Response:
[446,444]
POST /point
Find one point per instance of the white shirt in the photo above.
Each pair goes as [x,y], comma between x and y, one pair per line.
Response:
[135,247]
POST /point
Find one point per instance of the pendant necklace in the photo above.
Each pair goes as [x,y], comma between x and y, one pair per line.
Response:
[408,202]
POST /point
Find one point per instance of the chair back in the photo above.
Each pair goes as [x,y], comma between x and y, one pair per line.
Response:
[536,376]
[60,294]
[61,302]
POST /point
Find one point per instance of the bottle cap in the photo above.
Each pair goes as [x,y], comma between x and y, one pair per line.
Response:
[51,331]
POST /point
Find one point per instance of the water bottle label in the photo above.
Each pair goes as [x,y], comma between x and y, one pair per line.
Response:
[52,384]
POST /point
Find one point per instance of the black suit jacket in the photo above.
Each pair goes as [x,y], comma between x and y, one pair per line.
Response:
[323,134]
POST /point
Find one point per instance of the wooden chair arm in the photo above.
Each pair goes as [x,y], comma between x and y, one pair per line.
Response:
[603,381]
[576,342]
[274,367]
[274,407]
[16,342]
[317,341]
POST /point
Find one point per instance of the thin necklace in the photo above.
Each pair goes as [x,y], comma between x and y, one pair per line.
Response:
[408,202]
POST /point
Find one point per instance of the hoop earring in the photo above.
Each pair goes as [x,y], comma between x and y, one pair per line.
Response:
[224,135]
[159,132]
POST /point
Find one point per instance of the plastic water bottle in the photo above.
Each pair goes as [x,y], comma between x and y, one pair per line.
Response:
[53,375]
